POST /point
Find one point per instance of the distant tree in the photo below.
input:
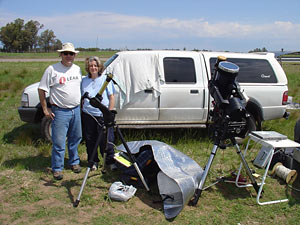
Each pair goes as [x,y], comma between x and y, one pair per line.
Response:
[259,50]
[31,34]
[88,49]
[56,45]
[19,37]
[11,36]
[264,49]
[93,49]
[47,40]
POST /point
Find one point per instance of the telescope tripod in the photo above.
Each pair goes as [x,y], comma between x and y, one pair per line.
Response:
[217,142]
[109,122]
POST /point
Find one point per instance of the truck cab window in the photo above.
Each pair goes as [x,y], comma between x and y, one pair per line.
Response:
[179,70]
[251,70]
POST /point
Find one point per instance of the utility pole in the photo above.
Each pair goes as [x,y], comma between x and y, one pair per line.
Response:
[97,43]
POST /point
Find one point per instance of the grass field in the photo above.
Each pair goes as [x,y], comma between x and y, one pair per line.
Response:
[53,55]
[29,195]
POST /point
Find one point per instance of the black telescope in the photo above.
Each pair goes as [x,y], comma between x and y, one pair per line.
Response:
[229,102]
[229,116]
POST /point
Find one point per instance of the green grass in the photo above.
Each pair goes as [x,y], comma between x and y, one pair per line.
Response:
[29,195]
[53,55]
[291,55]
[292,69]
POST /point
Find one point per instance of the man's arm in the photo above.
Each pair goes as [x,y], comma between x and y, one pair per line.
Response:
[47,111]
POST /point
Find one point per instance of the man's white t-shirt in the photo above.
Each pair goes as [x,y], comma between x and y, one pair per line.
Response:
[63,85]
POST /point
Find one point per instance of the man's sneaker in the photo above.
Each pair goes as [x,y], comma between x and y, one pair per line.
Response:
[76,168]
[58,175]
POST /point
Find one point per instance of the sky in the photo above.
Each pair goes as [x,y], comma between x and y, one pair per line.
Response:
[231,25]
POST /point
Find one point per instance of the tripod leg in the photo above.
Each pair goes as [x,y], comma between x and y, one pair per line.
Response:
[90,165]
[199,190]
[105,151]
[76,203]
[248,171]
[132,159]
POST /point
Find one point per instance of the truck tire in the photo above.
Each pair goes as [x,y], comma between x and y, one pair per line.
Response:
[252,125]
[46,129]
[297,131]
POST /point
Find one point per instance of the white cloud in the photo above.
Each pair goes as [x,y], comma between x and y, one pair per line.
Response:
[110,25]
[85,27]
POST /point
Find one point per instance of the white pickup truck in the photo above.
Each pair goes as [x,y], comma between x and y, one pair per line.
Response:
[169,89]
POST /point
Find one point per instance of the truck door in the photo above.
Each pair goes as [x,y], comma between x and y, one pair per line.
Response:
[183,97]
[135,69]
[142,108]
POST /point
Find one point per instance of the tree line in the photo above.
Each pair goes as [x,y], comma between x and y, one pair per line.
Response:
[18,36]
[259,50]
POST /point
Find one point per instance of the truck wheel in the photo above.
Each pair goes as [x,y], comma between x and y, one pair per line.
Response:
[251,124]
[46,128]
[297,131]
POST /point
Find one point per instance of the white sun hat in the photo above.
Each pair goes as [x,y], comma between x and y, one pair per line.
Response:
[68,47]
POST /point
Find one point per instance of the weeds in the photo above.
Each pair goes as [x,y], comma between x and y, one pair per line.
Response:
[30,195]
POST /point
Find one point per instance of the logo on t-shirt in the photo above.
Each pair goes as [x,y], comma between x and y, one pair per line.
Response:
[62,80]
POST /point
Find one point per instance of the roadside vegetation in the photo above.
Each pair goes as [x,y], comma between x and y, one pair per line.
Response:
[29,195]
[55,55]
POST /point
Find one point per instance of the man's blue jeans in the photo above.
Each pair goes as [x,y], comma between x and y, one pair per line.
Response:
[66,123]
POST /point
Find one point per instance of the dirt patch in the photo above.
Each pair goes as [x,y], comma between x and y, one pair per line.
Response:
[46,201]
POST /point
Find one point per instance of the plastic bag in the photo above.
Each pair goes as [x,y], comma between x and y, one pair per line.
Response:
[120,192]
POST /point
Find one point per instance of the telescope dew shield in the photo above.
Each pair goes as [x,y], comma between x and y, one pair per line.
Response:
[108,115]
[225,78]
[106,82]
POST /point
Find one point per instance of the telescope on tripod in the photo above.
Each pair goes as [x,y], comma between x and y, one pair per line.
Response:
[109,121]
[229,116]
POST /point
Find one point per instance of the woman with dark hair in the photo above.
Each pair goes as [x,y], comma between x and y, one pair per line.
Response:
[92,118]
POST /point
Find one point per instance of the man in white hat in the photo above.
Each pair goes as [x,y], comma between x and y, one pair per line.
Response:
[62,82]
